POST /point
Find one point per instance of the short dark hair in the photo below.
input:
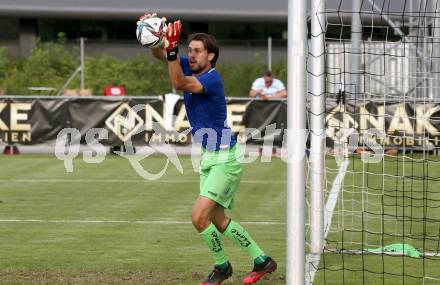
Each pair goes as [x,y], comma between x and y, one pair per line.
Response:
[268,73]
[209,42]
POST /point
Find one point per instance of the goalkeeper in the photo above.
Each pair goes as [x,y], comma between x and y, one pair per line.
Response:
[220,171]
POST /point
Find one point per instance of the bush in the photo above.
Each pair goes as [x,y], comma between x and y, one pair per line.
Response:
[5,62]
[47,65]
[140,76]
[51,64]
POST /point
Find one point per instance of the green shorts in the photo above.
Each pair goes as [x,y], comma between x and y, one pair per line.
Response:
[220,174]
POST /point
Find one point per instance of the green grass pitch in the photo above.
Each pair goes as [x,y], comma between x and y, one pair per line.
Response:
[104,224]
[391,202]
[51,242]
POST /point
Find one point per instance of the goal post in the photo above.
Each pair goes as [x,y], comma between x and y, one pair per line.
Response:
[296,126]
[316,89]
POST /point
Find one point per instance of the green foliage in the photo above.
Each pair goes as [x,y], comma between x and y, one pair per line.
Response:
[6,65]
[139,75]
[61,37]
[5,62]
[238,77]
[279,70]
[48,65]
[51,65]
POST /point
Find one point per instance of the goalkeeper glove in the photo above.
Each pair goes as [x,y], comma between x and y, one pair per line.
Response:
[173,38]
[149,15]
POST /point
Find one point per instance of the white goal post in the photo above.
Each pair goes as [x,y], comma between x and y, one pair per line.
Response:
[296,124]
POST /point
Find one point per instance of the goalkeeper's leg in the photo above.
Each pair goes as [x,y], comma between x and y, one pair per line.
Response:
[201,219]
[263,264]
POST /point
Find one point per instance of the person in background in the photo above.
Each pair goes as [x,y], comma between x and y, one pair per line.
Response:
[268,87]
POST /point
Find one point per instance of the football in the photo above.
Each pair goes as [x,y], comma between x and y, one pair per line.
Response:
[151,32]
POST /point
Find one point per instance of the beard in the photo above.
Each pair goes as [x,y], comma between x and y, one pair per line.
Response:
[196,69]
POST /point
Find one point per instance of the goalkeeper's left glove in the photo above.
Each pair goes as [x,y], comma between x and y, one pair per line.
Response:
[149,15]
[173,38]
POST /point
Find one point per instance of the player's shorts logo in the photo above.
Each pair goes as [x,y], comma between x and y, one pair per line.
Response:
[228,191]
[124,122]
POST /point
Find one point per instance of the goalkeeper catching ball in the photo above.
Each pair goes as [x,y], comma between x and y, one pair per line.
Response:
[220,170]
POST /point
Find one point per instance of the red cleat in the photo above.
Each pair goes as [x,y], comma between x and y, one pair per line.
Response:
[260,270]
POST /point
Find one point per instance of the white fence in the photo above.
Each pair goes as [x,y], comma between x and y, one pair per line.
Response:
[388,70]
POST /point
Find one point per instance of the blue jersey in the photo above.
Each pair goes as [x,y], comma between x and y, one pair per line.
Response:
[206,111]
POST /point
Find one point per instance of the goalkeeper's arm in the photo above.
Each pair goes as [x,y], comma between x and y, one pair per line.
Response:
[159,53]
[178,79]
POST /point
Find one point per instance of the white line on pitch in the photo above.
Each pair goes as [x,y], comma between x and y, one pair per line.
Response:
[333,197]
[158,222]
[312,260]
[127,181]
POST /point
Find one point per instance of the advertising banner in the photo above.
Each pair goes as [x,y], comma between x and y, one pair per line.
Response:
[35,120]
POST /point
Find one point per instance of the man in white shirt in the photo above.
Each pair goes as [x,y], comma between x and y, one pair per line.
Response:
[268,87]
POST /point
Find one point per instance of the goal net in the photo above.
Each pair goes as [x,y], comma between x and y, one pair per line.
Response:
[381,198]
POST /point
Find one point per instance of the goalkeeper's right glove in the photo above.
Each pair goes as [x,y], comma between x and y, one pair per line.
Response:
[173,38]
